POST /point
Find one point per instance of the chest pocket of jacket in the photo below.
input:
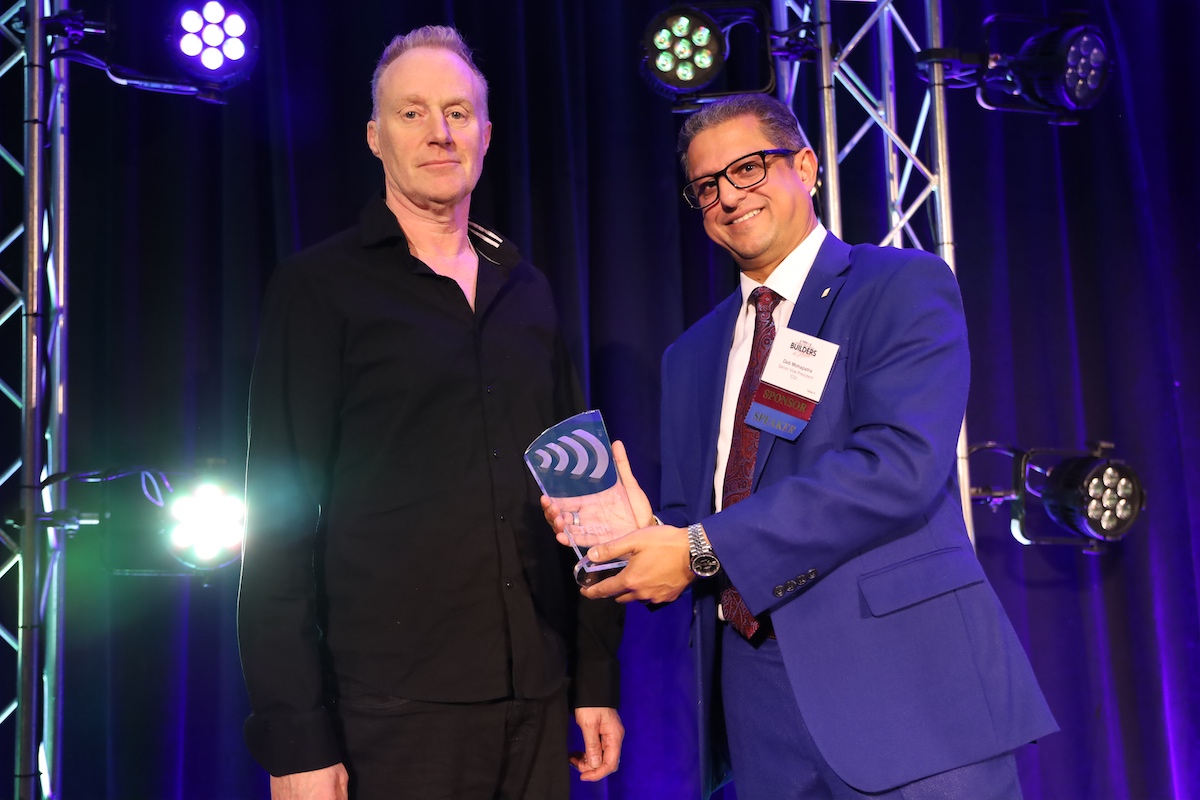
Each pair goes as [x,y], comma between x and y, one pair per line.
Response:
[918,579]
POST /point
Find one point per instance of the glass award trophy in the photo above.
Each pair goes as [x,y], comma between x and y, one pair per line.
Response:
[572,463]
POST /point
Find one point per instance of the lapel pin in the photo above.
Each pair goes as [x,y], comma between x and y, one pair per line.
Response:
[826,292]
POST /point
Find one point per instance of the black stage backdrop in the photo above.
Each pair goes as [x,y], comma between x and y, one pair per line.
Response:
[1076,254]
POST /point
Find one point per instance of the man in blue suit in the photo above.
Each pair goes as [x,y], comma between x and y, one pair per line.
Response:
[865,653]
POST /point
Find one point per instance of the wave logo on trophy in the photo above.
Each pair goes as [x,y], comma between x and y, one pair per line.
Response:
[573,465]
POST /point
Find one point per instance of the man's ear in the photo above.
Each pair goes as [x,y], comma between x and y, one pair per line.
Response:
[372,138]
[806,165]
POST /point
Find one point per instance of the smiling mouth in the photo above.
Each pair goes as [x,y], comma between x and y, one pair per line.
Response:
[746,216]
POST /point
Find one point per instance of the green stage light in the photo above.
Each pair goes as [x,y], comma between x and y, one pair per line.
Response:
[684,51]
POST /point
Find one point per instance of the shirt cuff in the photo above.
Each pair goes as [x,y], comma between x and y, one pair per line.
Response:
[288,743]
[597,683]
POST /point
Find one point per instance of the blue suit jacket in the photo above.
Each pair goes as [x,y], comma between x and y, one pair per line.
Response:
[901,658]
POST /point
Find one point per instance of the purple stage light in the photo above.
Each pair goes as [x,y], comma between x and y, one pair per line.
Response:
[191,21]
[216,42]
[233,49]
[234,26]
[211,58]
[213,11]
[213,35]
[191,44]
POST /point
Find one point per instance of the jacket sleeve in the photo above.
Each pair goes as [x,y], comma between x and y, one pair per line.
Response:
[293,415]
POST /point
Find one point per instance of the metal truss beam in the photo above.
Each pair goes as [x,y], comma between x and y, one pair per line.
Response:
[911,183]
[37,548]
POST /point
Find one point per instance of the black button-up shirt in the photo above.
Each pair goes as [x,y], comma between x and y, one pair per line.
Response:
[394,535]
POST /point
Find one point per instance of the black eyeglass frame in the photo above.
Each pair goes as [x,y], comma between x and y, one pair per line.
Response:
[689,193]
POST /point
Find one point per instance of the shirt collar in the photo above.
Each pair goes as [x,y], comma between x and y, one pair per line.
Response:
[378,226]
[787,279]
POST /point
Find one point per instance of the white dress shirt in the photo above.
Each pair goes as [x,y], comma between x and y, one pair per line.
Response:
[786,281]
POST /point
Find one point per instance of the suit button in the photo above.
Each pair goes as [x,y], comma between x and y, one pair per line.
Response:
[801,580]
[790,586]
[778,592]
[812,574]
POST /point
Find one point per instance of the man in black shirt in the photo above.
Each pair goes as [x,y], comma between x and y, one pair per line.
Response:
[407,622]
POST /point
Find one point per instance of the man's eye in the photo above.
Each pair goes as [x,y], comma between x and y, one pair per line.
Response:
[457,115]
[705,187]
[748,169]
[409,115]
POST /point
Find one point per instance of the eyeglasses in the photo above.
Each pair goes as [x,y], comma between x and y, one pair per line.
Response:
[747,171]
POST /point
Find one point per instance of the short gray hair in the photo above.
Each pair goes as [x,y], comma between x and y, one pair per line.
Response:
[441,36]
[775,119]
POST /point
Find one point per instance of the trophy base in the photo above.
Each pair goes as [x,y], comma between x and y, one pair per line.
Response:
[588,572]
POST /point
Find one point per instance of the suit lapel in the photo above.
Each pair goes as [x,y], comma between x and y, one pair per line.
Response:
[711,390]
[821,287]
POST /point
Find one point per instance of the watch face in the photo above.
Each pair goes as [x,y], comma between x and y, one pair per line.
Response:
[705,565]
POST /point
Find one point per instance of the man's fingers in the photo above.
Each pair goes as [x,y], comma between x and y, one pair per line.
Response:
[593,753]
[624,471]
[552,513]
[620,549]
[598,554]
[612,733]
[612,750]
[609,587]
[622,461]
[603,733]
[643,514]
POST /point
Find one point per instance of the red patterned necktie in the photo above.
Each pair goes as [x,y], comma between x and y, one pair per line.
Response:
[743,447]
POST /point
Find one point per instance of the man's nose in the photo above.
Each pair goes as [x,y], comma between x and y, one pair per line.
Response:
[729,195]
[439,129]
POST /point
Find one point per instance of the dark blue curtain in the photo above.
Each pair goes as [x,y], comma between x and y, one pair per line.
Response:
[1076,251]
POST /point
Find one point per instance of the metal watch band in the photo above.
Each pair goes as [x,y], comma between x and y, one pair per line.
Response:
[704,561]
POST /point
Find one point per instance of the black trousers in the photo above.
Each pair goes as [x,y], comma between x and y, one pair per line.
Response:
[400,749]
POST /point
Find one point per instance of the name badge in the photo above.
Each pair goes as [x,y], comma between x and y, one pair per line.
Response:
[792,383]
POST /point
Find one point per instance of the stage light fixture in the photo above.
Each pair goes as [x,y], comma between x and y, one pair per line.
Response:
[684,51]
[1096,498]
[215,42]
[206,527]
[1061,70]
[686,48]
[200,525]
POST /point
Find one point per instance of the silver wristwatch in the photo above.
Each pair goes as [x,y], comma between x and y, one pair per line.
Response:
[704,561]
